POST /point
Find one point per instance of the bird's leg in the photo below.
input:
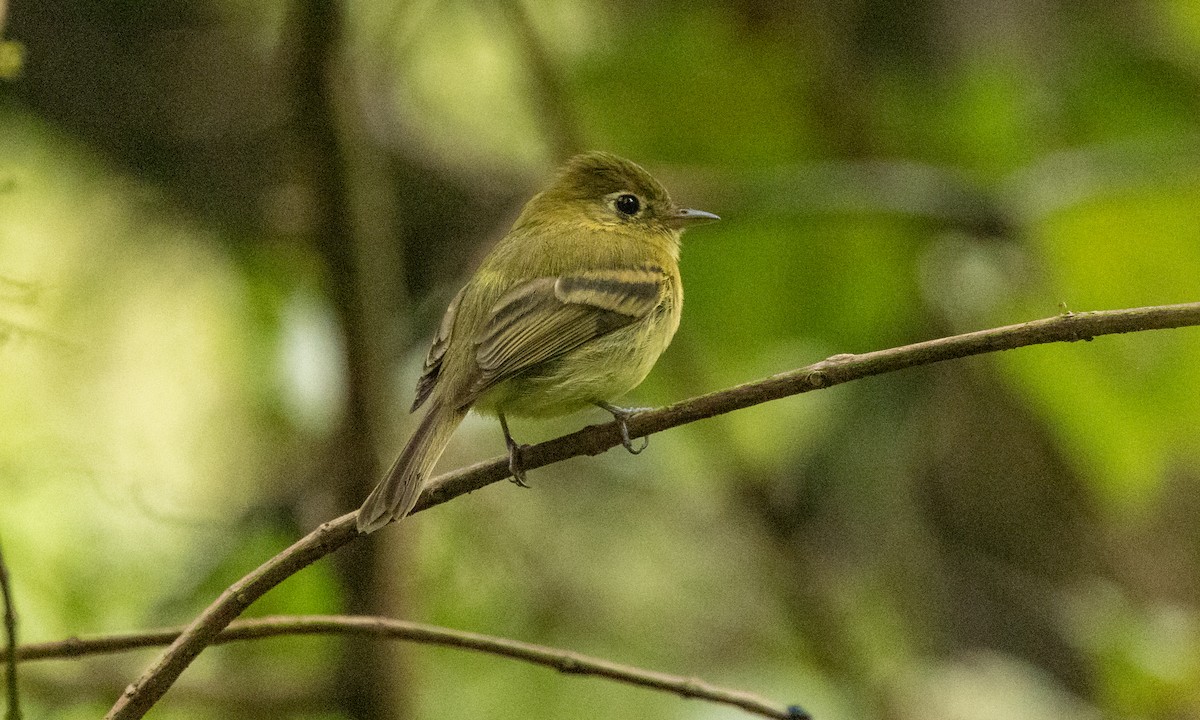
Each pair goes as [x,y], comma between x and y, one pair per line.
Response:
[514,454]
[622,415]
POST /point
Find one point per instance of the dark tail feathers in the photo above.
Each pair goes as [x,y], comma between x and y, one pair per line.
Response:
[393,498]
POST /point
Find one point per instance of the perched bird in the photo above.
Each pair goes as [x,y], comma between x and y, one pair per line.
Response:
[571,308]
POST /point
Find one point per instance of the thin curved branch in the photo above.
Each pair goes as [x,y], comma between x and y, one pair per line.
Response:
[10,648]
[139,697]
[564,661]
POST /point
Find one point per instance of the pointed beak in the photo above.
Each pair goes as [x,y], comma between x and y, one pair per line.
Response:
[686,217]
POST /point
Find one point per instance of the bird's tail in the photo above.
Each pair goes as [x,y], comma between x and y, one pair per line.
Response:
[393,498]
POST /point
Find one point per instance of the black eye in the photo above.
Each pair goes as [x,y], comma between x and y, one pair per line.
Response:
[628,204]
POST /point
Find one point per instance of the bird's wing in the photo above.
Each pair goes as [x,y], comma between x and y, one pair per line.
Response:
[543,318]
[433,361]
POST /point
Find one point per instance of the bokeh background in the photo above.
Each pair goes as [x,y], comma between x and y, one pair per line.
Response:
[228,228]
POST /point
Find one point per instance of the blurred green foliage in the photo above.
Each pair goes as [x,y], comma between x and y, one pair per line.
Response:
[194,351]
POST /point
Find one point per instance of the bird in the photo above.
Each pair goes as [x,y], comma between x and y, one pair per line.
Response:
[570,309]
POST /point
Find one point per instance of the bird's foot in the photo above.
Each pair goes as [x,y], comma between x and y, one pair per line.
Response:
[516,465]
[621,416]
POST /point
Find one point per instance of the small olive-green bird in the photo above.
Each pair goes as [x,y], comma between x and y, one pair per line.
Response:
[571,308]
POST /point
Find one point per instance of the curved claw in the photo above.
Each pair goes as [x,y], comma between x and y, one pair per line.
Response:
[628,443]
[621,416]
[515,466]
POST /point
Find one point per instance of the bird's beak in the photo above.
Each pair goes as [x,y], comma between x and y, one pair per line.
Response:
[686,217]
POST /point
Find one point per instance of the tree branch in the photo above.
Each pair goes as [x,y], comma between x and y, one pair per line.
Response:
[10,649]
[139,697]
[564,661]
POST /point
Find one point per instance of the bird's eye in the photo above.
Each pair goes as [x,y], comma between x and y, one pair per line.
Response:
[628,204]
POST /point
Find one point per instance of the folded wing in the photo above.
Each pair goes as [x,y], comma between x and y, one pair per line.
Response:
[544,318]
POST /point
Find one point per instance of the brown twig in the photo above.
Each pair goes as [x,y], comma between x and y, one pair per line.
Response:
[562,660]
[139,697]
[10,648]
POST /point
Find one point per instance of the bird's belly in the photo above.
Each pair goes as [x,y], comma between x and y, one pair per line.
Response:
[599,370]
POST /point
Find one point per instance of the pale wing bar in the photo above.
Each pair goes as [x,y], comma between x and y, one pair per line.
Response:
[546,317]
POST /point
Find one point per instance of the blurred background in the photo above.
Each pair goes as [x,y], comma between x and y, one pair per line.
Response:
[229,227]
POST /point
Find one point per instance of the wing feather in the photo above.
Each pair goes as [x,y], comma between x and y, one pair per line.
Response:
[437,350]
[544,318]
